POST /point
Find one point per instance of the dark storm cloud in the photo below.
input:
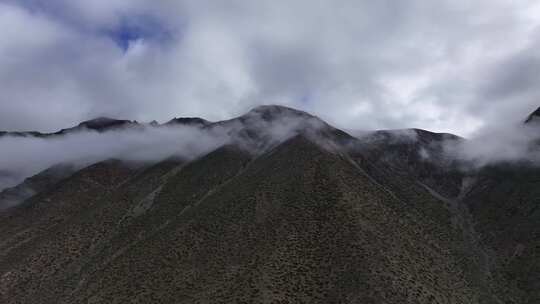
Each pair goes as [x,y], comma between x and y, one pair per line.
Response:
[453,66]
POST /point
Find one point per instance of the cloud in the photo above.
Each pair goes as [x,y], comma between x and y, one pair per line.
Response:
[505,143]
[442,65]
[257,131]
[26,156]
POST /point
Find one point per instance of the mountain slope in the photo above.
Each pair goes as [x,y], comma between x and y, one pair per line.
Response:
[36,184]
[415,154]
[505,205]
[313,228]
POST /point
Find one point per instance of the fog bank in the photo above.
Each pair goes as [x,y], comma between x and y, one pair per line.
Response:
[22,157]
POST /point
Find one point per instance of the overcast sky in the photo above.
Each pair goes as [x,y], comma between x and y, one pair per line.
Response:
[442,65]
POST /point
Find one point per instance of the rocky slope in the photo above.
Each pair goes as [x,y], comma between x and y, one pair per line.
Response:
[291,210]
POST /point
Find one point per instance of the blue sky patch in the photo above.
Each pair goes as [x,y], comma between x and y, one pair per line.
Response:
[127,29]
[132,28]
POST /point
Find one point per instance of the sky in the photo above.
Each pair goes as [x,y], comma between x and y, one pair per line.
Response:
[455,66]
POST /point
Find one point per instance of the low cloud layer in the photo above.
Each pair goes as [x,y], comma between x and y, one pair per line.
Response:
[255,132]
[496,143]
[507,143]
[25,156]
[442,65]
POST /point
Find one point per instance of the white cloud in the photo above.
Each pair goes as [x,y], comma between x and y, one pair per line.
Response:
[504,143]
[26,156]
[359,65]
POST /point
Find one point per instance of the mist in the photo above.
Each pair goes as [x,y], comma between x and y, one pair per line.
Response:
[257,131]
[502,143]
[22,157]
[495,143]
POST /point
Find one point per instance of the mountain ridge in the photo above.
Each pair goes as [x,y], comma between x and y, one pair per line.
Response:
[103,124]
[267,112]
[533,116]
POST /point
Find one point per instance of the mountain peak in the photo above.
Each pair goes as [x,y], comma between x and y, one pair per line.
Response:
[190,121]
[271,112]
[533,116]
[100,123]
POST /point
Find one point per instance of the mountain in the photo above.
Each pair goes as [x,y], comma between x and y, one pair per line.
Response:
[100,124]
[289,210]
[533,117]
[189,121]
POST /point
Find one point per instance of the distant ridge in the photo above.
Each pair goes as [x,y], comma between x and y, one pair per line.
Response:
[265,112]
[188,121]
